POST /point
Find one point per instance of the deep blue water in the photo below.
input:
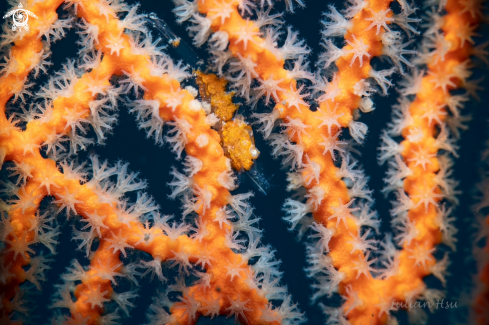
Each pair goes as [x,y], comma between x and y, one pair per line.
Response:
[153,162]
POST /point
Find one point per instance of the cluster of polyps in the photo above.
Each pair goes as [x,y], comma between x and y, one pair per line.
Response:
[83,96]
[218,250]
[337,195]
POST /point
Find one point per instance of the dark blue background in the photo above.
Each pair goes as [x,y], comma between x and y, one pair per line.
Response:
[130,144]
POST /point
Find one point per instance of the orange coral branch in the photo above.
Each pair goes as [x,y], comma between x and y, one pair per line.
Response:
[312,142]
[228,286]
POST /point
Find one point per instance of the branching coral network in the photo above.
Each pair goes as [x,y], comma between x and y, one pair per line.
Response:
[216,250]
